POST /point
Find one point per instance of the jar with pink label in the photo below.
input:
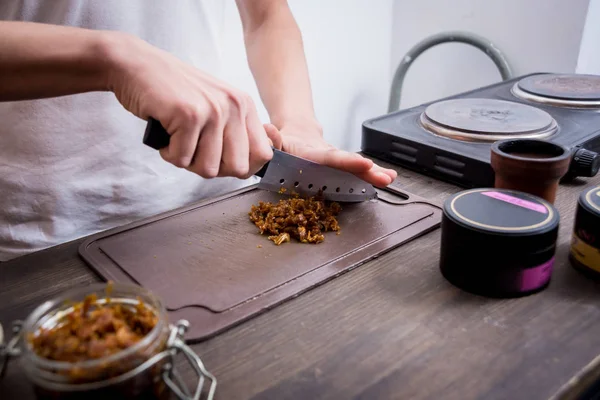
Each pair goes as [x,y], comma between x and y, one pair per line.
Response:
[497,242]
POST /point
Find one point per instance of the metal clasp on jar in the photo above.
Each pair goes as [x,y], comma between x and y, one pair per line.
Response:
[175,346]
[9,350]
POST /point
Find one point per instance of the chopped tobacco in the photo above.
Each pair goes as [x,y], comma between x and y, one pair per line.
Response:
[302,219]
[94,330]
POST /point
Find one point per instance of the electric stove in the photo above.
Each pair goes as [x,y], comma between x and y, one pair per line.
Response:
[450,139]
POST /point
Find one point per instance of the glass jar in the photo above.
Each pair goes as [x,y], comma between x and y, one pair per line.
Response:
[145,370]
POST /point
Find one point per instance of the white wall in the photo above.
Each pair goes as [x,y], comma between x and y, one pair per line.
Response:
[347,44]
[589,54]
[535,36]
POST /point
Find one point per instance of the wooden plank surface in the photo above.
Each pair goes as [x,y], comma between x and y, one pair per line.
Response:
[391,329]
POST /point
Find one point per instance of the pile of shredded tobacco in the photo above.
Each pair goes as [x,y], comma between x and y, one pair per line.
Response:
[302,219]
[94,330]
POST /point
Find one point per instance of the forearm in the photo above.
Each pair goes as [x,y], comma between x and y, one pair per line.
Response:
[41,60]
[276,57]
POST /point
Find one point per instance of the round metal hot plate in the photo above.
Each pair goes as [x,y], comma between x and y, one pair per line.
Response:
[566,90]
[487,120]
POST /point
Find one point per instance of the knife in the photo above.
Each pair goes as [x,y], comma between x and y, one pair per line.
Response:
[288,174]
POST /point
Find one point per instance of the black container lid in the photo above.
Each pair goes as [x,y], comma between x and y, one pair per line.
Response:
[504,217]
[590,200]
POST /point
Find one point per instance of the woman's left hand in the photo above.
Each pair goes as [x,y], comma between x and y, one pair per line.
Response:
[305,139]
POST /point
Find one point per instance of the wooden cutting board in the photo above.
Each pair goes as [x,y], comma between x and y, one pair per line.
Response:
[210,265]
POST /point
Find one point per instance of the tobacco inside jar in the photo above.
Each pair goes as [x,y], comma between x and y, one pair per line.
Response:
[93,342]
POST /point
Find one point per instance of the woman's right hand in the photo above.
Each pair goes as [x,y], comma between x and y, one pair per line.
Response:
[215,129]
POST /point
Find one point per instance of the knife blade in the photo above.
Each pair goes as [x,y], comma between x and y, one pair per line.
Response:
[288,174]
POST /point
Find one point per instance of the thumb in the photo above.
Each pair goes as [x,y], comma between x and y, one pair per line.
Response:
[274,135]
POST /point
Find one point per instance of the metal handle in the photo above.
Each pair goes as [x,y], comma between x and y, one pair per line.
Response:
[176,344]
[462,37]
[9,350]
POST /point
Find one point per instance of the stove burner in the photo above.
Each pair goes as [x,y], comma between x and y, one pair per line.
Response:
[487,120]
[574,91]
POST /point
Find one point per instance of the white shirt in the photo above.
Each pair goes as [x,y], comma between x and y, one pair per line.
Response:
[75,165]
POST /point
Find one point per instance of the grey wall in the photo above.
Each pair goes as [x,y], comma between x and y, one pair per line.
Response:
[353,47]
[589,54]
[535,35]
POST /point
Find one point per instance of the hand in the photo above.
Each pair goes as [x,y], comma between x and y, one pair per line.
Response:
[215,129]
[304,139]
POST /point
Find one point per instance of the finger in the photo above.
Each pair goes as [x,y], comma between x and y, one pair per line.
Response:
[260,143]
[207,158]
[183,142]
[236,149]
[376,178]
[379,176]
[274,135]
[387,171]
[334,158]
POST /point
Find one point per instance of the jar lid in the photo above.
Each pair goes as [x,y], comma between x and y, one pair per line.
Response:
[590,200]
[501,212]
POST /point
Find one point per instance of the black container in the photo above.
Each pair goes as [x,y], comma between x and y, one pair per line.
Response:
[585,245]
[498,243]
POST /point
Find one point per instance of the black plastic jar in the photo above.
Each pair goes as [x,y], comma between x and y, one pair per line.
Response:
[585,245]
[498,243]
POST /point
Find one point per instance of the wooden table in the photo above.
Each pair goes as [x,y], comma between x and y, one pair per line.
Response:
[393,328]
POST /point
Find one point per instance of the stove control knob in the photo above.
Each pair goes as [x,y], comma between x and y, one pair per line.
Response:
[585,163]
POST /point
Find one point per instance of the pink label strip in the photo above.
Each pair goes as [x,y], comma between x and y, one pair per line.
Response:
[536,277]
[517,202]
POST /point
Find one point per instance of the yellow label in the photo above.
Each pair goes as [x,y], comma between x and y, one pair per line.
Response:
[585,254]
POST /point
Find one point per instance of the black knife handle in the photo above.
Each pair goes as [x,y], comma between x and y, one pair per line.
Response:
[156,136]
